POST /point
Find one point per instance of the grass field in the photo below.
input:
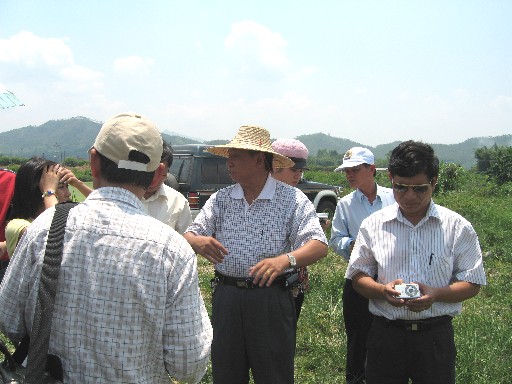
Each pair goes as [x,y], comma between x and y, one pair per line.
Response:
[483,331]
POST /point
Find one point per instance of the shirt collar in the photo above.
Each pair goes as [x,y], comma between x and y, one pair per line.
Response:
[360,196]
[393,212]
[116,193]
[159,192]
[268,191]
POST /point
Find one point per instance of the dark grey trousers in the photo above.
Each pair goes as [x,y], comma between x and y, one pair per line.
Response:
[253,329]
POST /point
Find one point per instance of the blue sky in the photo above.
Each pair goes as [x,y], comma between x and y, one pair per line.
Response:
[369,71]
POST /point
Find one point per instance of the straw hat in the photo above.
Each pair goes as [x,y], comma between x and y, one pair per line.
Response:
[253,138]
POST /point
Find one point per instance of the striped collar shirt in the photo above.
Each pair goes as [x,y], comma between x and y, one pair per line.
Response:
[281,219]
[442,248]
[351,210]
[128,307]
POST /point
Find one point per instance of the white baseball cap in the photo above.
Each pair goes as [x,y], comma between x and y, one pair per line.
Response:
[128,132]
[356,156]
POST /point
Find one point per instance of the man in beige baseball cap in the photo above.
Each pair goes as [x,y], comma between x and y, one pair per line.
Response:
[247,230]
[128,290]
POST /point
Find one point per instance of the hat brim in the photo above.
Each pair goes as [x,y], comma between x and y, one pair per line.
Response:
[279,161]
[349,164]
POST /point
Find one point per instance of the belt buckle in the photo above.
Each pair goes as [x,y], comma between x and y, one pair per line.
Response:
[247,283]
[413,327]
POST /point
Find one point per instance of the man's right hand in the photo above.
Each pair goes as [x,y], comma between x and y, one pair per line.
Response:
[207,246]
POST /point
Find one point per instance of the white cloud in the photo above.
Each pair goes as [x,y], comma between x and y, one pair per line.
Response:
[257,49]
[133,65]
[502,103]
[27,56]
[43,73]
[31,51]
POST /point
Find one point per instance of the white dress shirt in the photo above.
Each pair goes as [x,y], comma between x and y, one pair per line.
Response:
[170,207]
[442,248]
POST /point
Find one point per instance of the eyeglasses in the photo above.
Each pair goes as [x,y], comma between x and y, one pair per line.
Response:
[417,188]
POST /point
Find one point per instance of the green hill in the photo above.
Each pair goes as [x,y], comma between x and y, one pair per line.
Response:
[73,137]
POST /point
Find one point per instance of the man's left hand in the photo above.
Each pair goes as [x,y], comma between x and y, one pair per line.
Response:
[424,302]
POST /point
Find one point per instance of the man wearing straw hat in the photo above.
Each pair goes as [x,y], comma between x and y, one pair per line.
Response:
[247,231]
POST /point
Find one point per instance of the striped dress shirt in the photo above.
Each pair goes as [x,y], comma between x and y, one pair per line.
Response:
[441,249]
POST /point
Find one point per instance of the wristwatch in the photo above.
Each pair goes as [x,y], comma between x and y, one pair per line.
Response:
[291,259]
[48,193]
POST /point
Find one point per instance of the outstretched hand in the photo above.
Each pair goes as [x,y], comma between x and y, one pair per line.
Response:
[208,247]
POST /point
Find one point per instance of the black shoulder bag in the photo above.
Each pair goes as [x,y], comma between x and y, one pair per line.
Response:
[41,368]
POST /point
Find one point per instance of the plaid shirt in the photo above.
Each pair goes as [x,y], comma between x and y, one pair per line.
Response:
[281,219]
[128,306]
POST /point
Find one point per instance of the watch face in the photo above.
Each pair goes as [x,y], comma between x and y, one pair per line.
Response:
[293,262]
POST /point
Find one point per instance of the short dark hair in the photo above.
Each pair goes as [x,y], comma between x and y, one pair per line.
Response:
[411,158]
[167,154]
[110,171]
[27,200]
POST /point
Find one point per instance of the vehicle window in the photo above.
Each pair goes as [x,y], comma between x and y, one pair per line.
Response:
[224,177]
[180,168]
[209,172]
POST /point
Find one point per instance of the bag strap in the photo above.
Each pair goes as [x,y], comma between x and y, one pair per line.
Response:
[38,349]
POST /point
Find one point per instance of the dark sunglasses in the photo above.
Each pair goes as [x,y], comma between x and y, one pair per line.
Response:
[417,188]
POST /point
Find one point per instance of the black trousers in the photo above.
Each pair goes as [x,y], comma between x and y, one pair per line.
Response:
[253,329]
[358,320]
[396,355]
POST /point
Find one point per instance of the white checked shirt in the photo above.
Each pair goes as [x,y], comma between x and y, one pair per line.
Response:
[280,219]
[442,248]
[128,306]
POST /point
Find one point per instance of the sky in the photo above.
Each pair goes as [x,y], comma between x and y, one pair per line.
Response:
[371,71]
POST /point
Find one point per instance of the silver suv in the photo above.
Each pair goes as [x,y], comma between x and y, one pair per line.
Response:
[197,174]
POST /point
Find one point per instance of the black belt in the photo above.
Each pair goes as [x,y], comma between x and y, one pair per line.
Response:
[415,325]
[246,282]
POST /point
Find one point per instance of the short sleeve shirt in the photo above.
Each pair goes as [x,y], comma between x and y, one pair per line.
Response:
[441,249]
[281,219]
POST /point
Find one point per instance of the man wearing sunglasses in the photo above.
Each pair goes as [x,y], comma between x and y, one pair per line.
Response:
[414,242]
[359,169]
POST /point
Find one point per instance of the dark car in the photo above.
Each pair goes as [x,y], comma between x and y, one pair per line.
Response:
[197,174]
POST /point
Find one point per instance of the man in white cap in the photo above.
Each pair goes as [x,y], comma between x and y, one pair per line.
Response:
[256,232]
[128,307]
[368,197]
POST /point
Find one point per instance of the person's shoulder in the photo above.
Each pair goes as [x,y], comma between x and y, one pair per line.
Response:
[169,191]
[447,214]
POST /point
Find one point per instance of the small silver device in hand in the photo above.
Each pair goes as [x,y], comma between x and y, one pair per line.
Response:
[408,291]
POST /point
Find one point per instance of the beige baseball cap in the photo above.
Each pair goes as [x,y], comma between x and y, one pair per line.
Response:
[128,132]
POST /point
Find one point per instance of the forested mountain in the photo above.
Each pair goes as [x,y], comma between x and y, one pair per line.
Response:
[73,137]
